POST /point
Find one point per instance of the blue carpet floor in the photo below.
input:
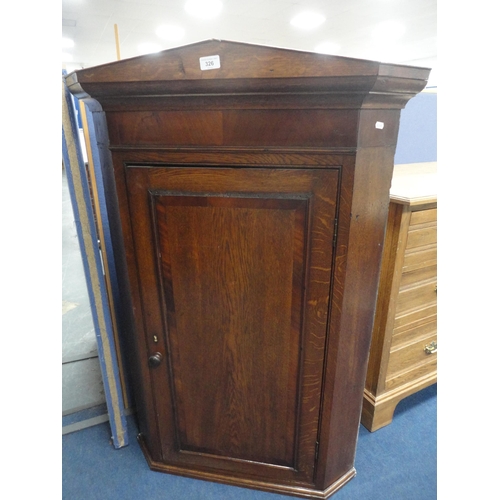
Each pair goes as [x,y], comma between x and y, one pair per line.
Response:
[397,462]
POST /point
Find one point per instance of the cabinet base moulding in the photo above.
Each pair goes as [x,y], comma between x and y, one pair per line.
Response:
[224,478]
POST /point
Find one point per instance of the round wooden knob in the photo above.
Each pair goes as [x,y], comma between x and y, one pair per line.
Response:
[155,360]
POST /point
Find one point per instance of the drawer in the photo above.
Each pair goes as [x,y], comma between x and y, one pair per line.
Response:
[416,297]
[411,319]
[422,236]
[419,274]
[420,258]
[423,217]
[416,331]
[406,357]
[418,372]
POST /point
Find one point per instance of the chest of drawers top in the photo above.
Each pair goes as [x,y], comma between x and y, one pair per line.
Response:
[414,184]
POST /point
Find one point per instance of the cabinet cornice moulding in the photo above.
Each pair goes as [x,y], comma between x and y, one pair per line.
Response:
[250,69]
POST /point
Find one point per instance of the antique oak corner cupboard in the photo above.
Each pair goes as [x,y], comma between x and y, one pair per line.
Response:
[248,190]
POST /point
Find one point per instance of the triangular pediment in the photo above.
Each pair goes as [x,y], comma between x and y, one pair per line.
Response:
[236,60]
[215,66]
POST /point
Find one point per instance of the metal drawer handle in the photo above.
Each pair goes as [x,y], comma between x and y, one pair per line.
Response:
[431,348]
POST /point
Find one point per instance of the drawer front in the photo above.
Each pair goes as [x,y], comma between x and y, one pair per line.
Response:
[421,258]
[416,297]
[419,274]
[406,357]
[416,331]
[423,229]
[411,319]
[423,217]
[421,236]
[417,372]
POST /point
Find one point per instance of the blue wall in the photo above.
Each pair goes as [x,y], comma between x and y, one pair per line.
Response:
[417,140]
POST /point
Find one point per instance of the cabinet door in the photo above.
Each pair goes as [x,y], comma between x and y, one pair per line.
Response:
[234,267]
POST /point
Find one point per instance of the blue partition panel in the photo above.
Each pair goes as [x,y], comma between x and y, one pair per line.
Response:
[88,239]
[417,140]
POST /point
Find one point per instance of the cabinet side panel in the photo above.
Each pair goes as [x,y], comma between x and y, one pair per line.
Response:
[350,331]
[382,332]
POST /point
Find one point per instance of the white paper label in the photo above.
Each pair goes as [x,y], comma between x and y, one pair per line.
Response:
[209,62]
[379,125]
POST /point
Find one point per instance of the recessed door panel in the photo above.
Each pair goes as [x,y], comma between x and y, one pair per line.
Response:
[238,305]
[234,320]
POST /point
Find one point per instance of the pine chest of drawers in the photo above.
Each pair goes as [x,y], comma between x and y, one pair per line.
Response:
[403,353]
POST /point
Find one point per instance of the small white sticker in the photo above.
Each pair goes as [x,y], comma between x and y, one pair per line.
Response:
[209,62]
[379,125]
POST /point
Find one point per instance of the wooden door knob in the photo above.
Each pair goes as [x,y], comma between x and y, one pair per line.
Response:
[155,359]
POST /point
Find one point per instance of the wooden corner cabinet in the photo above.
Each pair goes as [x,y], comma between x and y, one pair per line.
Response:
[403,353]
[248,189]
